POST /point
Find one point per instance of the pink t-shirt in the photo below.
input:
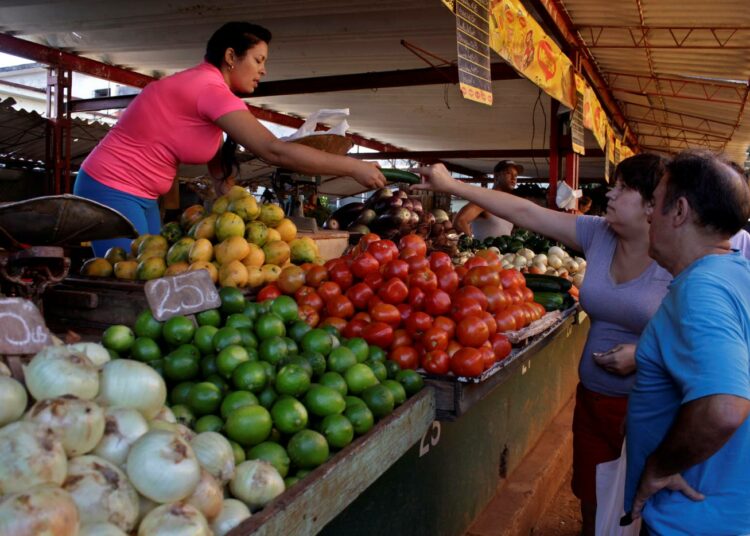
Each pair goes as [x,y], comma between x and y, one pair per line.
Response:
[170,122]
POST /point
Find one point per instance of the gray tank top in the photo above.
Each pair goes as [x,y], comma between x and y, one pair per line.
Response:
[488,225]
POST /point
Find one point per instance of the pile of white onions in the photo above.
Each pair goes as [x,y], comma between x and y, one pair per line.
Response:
[131,384]
[215,455]
[39,510]
[80,423]
[13,400]
[57,371]
[30,454]
[122,428]
[256,483]
[176,518]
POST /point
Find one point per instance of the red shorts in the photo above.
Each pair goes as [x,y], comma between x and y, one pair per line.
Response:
[598,433]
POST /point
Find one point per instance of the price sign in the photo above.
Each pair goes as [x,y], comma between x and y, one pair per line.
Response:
[22,328]
[182,294]
[473,43]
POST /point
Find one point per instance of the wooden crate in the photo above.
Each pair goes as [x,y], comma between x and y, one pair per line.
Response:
[308,506]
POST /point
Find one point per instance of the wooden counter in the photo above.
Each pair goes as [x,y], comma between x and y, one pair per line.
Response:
[330,243]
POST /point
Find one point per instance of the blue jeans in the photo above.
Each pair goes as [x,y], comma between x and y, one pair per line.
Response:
[143,213]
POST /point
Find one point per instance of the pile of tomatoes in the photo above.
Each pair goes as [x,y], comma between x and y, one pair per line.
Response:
[421,309]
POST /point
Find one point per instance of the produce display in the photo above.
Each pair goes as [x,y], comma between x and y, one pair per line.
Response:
[240,243]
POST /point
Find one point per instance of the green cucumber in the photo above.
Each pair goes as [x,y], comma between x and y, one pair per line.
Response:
[397,175]
[552,301]
[547,283]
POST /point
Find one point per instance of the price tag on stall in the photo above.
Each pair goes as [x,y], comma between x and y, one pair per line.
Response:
[22,328]
[182,294]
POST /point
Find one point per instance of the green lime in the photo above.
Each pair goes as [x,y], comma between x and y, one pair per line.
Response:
[248,337]
[252,353]
[145,349]
[379,399]
[112,354]
[251,311]
[270,325]
[337,430]
[212,317]
[181,365]
[289,415]
[250,376]
[208,365]
[341,359]
[267,397]
[332,330]
[264,307]
[179,393]
[291,346]
[229,358]
[273,350]
[157,365]
[226,337]
[308,449]
[302,362]
[119,338]
[204,337]
[361,418]
[376,353]
[359,347]
[392,369]
[335,381]
[291,481]
[147,326]
[292,380]
[238,451]
[178,330]
[378,368]
[275,435]
[317,362]
[248,425]
[235,400]
[184,415]
[354,401]
[297,330]
[411,380]
[359,377]
[238,320]
[397,390]
[219,382]
[322,401]
[286,308]
[209,423]
[270,372]
[232,300]
[204,398]
[302,473]
[317,340]
[272,453]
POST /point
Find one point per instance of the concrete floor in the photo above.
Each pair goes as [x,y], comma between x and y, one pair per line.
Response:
[563,515]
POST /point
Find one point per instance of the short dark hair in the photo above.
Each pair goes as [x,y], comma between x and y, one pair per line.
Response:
[715,191]
[239,36]
[641,173]
[584,201]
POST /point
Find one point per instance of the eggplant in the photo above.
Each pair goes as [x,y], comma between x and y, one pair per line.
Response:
[413,217]
[347,214]
[365,217]
[384,204]
[332,224]
[363,229]
[377,195]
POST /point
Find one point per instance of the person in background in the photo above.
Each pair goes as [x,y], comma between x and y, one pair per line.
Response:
[184,118]
[622,290]
[584,205]
[687,429]
[473,220]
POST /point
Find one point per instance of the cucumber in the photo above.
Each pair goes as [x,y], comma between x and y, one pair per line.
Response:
[397,175]
[547,283]
[552,301]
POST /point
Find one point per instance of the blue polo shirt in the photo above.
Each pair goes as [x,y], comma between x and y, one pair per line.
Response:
[696,345]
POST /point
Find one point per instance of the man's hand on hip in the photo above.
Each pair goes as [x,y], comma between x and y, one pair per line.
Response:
[651,484]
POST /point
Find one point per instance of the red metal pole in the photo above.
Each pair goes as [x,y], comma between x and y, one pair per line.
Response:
[554,154]
[59,82]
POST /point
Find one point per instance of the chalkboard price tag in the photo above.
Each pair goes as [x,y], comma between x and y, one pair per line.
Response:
[182,294]
[22,328]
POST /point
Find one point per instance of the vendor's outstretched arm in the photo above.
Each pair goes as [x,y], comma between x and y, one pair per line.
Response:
[559,226]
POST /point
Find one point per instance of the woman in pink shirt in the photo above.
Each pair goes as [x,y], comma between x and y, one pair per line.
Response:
[182,119]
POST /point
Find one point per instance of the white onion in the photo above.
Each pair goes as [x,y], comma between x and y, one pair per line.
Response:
[553,261]
[102,492]
[42,510]
[163,467]
[80,423]
[101,529]
[30,454]
[4,370]
[556,251]
[215,455]
[176,519]
[122,427]
[207,496]
[13,400]
[233,512]
[165,414]
[145,505]
[131,384]
[96,353]
[541,259]
[256,483]
[57,371]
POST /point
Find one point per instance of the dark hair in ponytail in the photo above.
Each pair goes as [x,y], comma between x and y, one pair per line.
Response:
[239,36]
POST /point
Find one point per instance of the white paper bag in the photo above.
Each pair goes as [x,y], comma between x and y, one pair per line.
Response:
[566,196]
[610,494]
[335,118]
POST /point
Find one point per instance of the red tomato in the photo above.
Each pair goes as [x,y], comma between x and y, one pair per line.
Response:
[366,240]
[417,263]
[439,260]
[505,320]
[309,315]
[463,307]
[467,362]
[374,301]
[269,292]
[416,298]
[340,306]
[488,356]
[362,316]
[341,274]
[382,251]
[470,291]
[447,279]
[474,262]
[329,264]
[379,334]
[435,339]
[424,279]
[405,310]
[490,256]
[360,295]
[316,275]
[374,281]
[490,321]
[472,331]
[461,272]
[312,299]
[387,313]
[482,276]
[415,242]
[520,279]
[394,291]
[407,357]
[501,346]
[328,290]
[306,266]
[303,291]
[354,328]
[417,323]
[437,302]
[364,264]
[519,313]
[436,362]
[508,278]
[446,324]
[336,322]
[516,295]
[497,300]
[401,338]
[453,347]
[528,294]
[396,268]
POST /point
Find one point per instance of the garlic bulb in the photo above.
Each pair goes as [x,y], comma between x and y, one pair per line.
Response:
[122,428]
[40,510]
[214,453]
[131,384]
[256,483]
[174,519]
[13,400]
[30,454]
[80,423]
[56,371]
[208,496]
[233,512]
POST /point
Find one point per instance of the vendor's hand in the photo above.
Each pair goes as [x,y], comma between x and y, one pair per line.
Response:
[368,174]
[650,484]
[435,177]
[618,360]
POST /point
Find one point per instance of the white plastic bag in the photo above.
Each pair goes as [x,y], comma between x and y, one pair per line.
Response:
[610,494]
[566,196]
[335,118]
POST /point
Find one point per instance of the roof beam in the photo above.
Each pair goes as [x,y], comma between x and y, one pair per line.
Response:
[426,156]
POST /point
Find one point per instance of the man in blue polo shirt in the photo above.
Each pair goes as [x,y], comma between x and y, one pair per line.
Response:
[688,435]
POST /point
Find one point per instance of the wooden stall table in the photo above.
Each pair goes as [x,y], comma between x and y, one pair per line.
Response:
[331,244]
